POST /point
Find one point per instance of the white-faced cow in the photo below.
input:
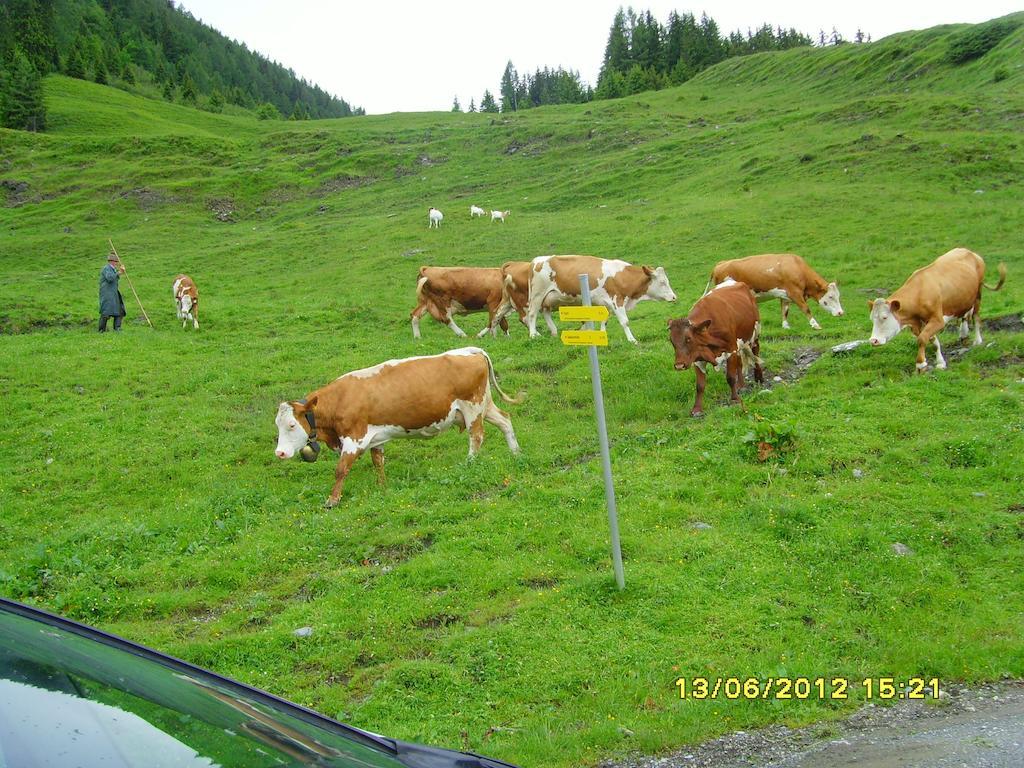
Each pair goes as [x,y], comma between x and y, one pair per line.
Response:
[448,291]
[615,284]
[947,289]
[782,276]
[722,330]
[434,218]
[476,210]
[414,397]
[186,300]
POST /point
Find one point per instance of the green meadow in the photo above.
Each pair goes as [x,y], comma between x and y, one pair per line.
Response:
[472,605]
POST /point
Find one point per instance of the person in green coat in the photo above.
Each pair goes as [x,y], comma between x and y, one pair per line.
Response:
[111,301]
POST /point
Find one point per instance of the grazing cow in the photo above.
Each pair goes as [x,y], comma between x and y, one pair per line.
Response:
[947,289]
[516,287]
[499,215]
[434,217]
[617,285]
[186,299]
[448,291]
[476,210]
[414,397]
[722,330]
[782,276]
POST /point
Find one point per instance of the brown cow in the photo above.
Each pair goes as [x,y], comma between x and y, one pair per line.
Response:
[414,397]
[448,291]
[186,299]
[615,284]
[949,288]
[782,276]
[722,330]
[516,286]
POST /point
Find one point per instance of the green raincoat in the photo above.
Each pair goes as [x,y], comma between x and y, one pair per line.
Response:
[111,302]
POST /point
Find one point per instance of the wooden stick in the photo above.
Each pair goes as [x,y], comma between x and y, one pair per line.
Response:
[125,273]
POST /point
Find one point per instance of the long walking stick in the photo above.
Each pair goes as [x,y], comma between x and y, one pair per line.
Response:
[130,283]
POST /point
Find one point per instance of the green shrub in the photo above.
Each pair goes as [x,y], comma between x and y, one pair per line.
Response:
[769,440]
[978,40]
[1000,74]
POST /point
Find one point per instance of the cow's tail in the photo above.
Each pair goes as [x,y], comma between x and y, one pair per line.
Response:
[1002,278]
[711,282]
[494,383]
[421,283]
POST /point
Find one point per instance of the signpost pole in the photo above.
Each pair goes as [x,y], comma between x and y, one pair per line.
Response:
[602,433]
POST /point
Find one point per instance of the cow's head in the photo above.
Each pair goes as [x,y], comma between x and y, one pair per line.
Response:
[658,288]
[185,302]
[830,301]
[884,322]
[690,341]
[296,430]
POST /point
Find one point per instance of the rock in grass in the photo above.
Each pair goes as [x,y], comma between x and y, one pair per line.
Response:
[700,526]
[848,345]
[858,474]
[303,632]
[979,494]
[901,549]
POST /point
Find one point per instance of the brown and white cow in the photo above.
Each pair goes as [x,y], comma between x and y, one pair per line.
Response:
[413,397]
[615,284]
[448,291]
[722,330]
[186,300]
[782,276]
[947,289]
[516,286]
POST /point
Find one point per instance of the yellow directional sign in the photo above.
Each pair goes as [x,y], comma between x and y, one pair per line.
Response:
[595,338]
[583,314]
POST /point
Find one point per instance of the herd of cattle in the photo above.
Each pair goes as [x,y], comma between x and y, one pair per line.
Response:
[423,396]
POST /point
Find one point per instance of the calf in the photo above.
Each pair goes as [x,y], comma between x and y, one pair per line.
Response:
[617,285]
[947,289]
[186,300]
[499,215]
[722,330]
[448,291]
[434,218]
[414,397]
[782,276]
[476,210]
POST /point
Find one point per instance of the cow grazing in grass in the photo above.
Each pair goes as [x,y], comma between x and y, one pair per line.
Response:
[414,397]
[186,300]
[448,291]
[782,276]
[499,215]
[476,210]
[434,218]
[617,285]
[721,330]
[947,289]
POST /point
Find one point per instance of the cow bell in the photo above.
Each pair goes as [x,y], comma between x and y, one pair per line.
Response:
[310,451]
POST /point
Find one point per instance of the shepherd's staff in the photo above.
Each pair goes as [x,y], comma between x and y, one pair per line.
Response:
[125,273]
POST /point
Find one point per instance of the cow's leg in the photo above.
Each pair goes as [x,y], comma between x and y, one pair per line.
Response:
[755,347]
[340,473]
[414,317]
[502,421]
[977,323]
[734,375]
[965,328]
[801,302]
[551,323]
[476,435]
[533,308]
[620,315]
[377,454]
[453,325]
[698,402]
[785,313]
[504,325]
[930,332]
[195,316]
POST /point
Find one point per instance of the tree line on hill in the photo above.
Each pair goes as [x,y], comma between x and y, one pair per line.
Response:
[152,44]
[643,54]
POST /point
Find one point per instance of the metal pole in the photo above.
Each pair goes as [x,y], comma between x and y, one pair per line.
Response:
[602,434]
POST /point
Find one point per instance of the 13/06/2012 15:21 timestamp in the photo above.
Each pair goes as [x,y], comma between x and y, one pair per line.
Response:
[882,688]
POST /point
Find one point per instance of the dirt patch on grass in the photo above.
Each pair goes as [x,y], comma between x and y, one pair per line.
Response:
[13,326]
[399,552]
[146,198]
[803,359]
[223,208]
[1013,323]
[15,191]
[437,620]
[343,182]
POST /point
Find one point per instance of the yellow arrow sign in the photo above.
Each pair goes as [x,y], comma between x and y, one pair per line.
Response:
[583,314]
[595,338]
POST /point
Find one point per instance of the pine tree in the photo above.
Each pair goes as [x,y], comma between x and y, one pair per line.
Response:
[456,107]
[216,102]
[169,91]
[188,89]
[100,75]
[509,89]
[616,50]
[472,105]
[128,73]
[74,66]
[487,103]
[21,96]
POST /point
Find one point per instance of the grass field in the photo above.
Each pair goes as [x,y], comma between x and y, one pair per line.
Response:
[473,605]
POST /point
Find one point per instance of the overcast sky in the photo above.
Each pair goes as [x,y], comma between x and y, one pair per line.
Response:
[397,56]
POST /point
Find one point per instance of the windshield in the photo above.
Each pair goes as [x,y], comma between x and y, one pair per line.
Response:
[66,699]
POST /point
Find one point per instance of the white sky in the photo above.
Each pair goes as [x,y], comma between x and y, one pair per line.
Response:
[417,55]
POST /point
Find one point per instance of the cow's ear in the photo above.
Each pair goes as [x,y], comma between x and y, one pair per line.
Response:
[894,306]
[648,270]
[700,327]
[871,305]
[668,321]
[311,401]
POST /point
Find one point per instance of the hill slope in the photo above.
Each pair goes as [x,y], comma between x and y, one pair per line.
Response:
[472,604]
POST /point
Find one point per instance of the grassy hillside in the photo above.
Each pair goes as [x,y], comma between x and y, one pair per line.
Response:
[473,604]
